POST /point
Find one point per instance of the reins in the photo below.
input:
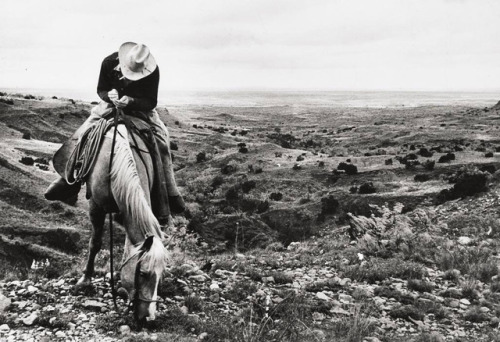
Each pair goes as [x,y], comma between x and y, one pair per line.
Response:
[118,113]
[137,298]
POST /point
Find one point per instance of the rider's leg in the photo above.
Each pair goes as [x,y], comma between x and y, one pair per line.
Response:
[175,199]
[60,189]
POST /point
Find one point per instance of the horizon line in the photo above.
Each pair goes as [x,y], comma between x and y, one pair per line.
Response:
[263,89]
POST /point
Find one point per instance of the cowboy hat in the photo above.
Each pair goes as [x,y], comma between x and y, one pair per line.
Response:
[136,61]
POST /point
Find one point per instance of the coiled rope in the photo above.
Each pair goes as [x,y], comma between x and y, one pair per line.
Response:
[84,155]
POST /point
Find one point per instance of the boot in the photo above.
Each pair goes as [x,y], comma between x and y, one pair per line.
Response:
[62,191]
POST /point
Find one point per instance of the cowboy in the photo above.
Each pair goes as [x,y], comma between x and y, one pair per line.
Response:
[128,80]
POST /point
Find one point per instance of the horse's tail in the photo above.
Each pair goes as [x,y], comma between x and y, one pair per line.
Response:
[127,190]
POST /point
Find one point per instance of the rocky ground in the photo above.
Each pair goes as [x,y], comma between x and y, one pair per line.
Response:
[281,241]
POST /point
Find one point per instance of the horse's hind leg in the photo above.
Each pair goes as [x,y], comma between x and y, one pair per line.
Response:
[97,216]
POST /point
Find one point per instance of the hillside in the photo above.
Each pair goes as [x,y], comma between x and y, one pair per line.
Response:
[303,224]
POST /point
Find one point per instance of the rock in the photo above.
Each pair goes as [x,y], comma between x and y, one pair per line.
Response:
[4,302]
[464,301]
[322,296]
[202,336]
[32,289]
[214,287]
[60,334]
[345,298]
[494,321]
[30,320]
[198,278]
[59,283]
[215,298]
[371,339]
[344,281]
[464,240]
[4,328]
[124,330]
[339,311]
[93,305]
[266,280]
[184,310]
[318,316]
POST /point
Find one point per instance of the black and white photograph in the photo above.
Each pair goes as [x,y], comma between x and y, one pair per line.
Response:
[250,171]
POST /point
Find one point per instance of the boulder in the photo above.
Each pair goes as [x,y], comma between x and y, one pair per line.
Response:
[4,302]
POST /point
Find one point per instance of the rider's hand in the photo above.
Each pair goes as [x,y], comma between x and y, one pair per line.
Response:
[123,102]
[113,95]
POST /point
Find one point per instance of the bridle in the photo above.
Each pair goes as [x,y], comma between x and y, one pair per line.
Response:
[137,298]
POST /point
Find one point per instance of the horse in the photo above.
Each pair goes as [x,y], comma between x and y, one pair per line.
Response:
[126,188]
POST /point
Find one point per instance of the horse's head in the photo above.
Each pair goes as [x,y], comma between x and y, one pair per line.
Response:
[140,275]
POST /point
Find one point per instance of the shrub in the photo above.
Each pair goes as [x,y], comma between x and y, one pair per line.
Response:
[422,178]
[367,188]
[349,169]
[276,196]
[381,269]
[241,290]
[425,152]
[475,315]
[406,312]
[429,165]
[248,185]
[217,181]
[446,158]
[468,182]
[201,157]
[229,168]
[329,205]
[194,303]
[469,288]
[27,161]
[420,285]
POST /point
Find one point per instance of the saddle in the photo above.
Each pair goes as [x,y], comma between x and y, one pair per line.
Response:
[76,157]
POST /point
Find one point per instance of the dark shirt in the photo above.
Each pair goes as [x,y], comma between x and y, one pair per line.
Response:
[144,92]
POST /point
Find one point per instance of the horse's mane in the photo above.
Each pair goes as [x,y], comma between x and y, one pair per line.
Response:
[131,199]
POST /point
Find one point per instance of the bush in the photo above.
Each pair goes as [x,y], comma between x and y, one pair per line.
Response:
[429,165]
[468,181]
[447,158]
[367,188]
[420,285]
[425,153]
[406,312]
[248,186]
[329,205]
[475,315]
[201,157]
[349,169]
[27,161]
[381,269]
[422,178]
[276,196]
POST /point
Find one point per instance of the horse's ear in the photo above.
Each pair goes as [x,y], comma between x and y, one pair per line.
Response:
[148,243]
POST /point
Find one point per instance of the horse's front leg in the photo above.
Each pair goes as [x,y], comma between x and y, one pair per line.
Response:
[97,217]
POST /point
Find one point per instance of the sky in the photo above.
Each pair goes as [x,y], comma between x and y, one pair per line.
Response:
[435,45]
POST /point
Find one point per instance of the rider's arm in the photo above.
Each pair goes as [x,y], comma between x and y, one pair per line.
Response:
[104,84]
[149,92]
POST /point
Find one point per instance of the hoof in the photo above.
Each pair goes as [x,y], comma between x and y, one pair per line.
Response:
[83,282]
